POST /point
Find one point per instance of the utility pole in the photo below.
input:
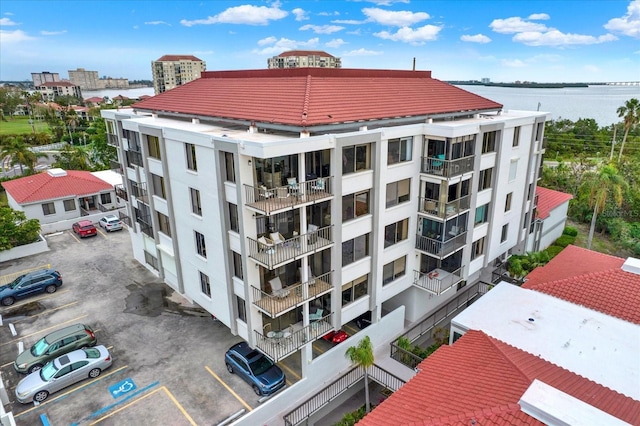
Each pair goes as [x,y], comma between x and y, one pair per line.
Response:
[613,142]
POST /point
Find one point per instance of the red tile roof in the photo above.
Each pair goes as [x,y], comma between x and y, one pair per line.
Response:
[571,262]
[481,379]
[43,186]
[57,84]
[305,53]
[174,58]
[307,97]
[548,199]
[94,100]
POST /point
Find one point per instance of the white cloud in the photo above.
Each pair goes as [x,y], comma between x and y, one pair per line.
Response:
[347,21]
[335,13]
[301,14]
[355,32]
[400,18]
[245,14]
[52,33]
[539,17]
[515,25]
[409,35]
[513,63]
[335,43]
[277,46]
[478,38]
[157,23]
[362,52]
[557,38]
[7,22]
[385,2]
[322,29]
[14,36]
[629,24]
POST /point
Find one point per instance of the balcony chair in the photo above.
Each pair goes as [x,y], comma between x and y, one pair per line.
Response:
[266,245]
[292,183]
[316,316]
[454,231]
[265,193]
[276,288]
[318,186]
[312,231]
[277,238]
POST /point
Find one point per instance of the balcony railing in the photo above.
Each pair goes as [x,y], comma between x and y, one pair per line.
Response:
[438,280]
[447,168]
[444,210]
[139,190]
[123,217]
[288,341]
[275,306]
[134,158]
[273,255]
[145,225]
[112,140]
[121,192]
[116,167]
[269,200]
[440,248]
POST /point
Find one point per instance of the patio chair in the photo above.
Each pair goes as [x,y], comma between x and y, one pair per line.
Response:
[276,288]
[277,238]
[265,193]
[318,185]
[266,245]
[312,231]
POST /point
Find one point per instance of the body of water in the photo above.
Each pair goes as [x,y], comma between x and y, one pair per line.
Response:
[572,103]
[597,102]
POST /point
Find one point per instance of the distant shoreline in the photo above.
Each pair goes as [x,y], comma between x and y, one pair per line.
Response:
[522,85]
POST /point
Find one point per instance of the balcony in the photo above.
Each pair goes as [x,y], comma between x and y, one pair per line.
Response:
[298,294]
[112,140]
[447,168]
[444,210]
[121,192]
[116,167]
[438,247]
[271,200]
[273,255]
[280,344]
[139,190]
[438,280]
[134,158]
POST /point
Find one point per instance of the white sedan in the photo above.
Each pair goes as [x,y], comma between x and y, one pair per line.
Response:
[62,372]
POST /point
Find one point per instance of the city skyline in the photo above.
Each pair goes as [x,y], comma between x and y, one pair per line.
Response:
[542,41]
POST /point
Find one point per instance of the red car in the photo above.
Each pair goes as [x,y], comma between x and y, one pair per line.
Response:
[84,228]
[335,336]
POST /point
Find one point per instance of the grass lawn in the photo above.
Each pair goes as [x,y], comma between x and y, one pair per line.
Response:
[601,243]
[20,126]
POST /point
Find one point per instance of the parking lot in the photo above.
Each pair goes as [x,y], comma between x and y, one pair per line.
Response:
[168,363]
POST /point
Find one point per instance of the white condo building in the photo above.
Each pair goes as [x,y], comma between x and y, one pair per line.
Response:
[289,202]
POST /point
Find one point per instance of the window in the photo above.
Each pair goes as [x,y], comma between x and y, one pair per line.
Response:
[191,157]
[201,247]
[48,208]
[69,205]
[399,150]
[393,270]
[482,214]
[489,142]
[205,286]
[153,146]
[356,158]
[158,186]
[485,179]
[151,260]
[516,136]
[398,192]
[237,265]
[539,130]
[105,198]
[477,248]
[513,170]
[163,223]
[242,309]
[196,207]
[229,167]
[396,232]
[505,231]
[233,218]
[355,205]
[355,249]
[354,290]
[507,204]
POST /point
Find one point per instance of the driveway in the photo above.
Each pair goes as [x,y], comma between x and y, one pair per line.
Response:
[168,355]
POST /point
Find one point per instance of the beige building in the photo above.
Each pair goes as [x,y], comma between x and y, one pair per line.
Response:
[43,77]
[304,59]
[113,83]
[50,90]
[175,70]
[89,80]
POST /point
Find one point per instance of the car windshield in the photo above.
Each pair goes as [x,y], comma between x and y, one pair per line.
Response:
[47,372]
[260,365]
[40,347]
[15,282]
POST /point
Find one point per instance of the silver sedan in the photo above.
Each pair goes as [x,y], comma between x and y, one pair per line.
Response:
[62,372]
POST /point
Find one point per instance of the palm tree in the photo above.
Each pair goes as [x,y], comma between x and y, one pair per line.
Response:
[363,356]
[630,112]
[20,153]
[598,188]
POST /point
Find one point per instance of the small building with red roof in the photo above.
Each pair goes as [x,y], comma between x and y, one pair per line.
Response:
[551,216]
[304,59]
[50,90]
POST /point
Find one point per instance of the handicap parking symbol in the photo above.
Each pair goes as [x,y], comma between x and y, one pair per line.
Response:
[122,387]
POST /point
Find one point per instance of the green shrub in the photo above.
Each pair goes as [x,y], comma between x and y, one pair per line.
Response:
[564,241]
[553,250]
[570,230]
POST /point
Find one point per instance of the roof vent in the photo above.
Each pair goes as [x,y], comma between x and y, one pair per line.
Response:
[57,172]
[631,265]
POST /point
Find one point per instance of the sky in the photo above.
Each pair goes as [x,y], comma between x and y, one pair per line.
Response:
[503,40]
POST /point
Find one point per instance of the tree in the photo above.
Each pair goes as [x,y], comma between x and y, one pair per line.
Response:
[362,355]
[102,154]
[599,187]
[630,112]
[72,158]
[20,153]
[15,229]
[9,100]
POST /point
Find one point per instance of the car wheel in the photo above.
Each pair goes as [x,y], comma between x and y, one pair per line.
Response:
[40,396]
[8,301]
[51,288]
[256,389]
[229,368]
[35,367]
[94,373]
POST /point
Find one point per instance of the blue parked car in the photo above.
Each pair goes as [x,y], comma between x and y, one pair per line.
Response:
[30,283]
[255,368]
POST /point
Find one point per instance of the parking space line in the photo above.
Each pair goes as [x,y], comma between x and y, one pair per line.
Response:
[36,299]
[74,236]
[228,388]
[44,330]
[289,371]
[175,401]
[47,311]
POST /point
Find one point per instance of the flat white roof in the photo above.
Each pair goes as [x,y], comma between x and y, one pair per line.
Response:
[589,343]
[109,176]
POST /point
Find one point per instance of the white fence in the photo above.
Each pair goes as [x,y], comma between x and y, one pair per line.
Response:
[39,246]
[51,147]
